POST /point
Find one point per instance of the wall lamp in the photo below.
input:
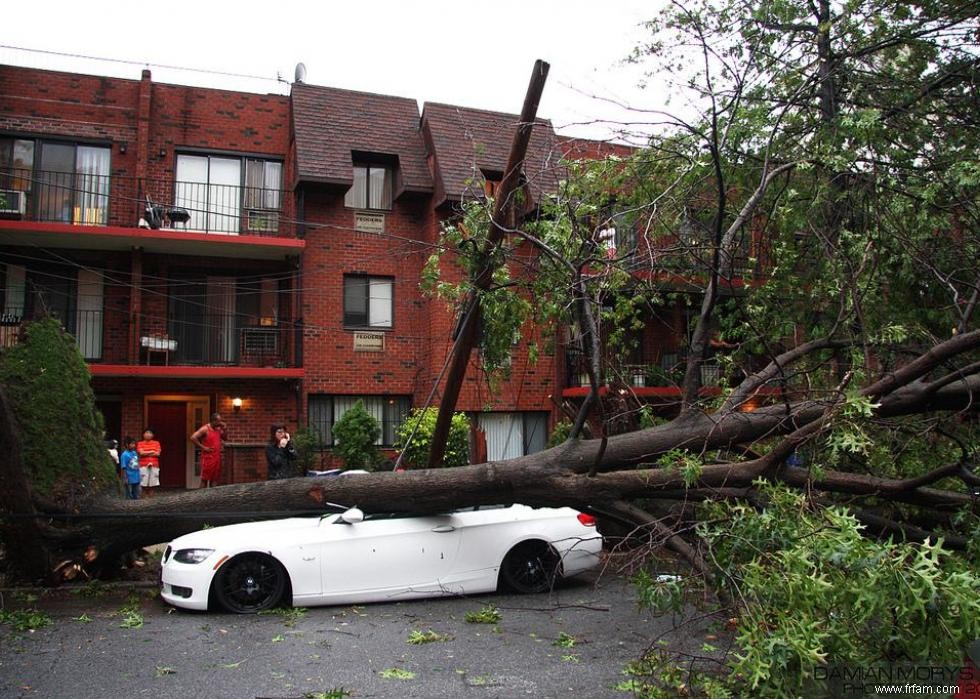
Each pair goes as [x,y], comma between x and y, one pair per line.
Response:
[236,404]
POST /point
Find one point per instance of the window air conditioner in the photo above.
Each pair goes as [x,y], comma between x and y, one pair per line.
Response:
[263,341]
[12,202]
[262,221]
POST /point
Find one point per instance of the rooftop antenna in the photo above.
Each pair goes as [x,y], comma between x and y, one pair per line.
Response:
[300,72]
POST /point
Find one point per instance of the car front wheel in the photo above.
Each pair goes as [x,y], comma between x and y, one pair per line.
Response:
[530,567]
[249,583]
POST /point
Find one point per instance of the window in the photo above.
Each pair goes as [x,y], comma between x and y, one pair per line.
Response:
[618,234]
[68,182]
[371,188]
[368,301]
[74,297]
[224,320]
[510,435]
[389,411]
[217,190]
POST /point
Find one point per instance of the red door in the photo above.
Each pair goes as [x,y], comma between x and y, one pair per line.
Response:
[169,423]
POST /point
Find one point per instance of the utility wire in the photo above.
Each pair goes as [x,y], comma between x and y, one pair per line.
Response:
[145,64]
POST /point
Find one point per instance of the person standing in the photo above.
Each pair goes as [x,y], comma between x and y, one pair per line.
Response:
[280,453]
[148,450]
[129,462]
[208,439]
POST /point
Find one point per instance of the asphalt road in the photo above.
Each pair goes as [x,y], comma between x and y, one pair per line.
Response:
[96,648]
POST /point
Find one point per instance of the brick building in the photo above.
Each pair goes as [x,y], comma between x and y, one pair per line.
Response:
[256,255]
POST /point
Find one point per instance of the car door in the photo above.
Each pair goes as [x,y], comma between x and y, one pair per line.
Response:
[386,557]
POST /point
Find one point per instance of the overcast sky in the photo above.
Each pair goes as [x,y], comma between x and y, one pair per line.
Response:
[467,53]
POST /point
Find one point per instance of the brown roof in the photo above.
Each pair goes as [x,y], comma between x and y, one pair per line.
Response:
[467,142]
[589,149]
[330,123]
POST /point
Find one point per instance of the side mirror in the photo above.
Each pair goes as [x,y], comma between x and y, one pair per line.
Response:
[352,516]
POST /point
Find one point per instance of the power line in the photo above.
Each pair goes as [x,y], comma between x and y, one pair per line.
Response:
[146,64]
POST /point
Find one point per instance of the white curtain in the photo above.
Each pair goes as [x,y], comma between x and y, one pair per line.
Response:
[191,189]
[220,319]
[505,435]
[210,189]
[88,314]
[15,291]
[92,185]
[356,196]
[380,303]
[224,204]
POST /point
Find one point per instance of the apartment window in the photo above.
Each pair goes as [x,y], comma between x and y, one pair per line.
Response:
[389,411]
[368,301]
[618,232]
[224,320]
[67,182]
[371,188]
[510,435]
[74,297]
[226,194]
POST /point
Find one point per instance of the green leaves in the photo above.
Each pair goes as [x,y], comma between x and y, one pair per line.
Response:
[813,591]
[356,434]
[414,438]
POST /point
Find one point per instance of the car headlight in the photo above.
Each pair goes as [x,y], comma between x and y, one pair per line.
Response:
[192,555]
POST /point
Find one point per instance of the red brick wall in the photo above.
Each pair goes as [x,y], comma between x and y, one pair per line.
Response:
[264,402]
[155,122]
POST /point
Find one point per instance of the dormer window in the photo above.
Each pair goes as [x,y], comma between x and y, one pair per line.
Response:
[371,189]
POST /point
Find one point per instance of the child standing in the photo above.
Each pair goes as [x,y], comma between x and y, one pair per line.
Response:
[148,449]
[129,462]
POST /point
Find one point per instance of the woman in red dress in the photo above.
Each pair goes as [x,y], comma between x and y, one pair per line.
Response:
[208,439]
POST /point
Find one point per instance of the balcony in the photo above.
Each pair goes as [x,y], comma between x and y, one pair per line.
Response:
[667,374]
[68,210]
[98,200]
[216,341]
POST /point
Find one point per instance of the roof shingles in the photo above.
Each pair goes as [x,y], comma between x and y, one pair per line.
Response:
[330,124]
[468,142]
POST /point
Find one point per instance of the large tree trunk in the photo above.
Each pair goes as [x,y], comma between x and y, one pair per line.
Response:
[603,476]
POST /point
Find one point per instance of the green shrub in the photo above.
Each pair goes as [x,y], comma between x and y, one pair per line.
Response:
[423,423]
[61,432]
[308,443]
[355,437]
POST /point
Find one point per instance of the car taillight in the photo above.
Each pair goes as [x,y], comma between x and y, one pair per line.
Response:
[586,520]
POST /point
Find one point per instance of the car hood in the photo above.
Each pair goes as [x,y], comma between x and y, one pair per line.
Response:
[252,534]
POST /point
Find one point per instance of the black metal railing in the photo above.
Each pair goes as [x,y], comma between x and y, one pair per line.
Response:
[87,326]
[186,343]
[213,208]
[63,197]
[221,339]
[101,200]
[666,372]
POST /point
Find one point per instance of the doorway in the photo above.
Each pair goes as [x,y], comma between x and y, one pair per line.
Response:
[173,420]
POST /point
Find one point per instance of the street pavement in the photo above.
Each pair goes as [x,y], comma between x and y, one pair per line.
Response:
[124,641]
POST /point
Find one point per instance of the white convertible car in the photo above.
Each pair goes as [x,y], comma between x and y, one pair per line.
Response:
[349,558]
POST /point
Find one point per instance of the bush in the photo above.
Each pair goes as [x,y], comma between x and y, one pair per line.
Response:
[308,444]
[423,423]
[355,437]
[61,432]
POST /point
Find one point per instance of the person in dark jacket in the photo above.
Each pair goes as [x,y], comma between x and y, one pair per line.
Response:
[280,453]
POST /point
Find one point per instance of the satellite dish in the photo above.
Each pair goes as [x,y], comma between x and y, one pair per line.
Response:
[300,72]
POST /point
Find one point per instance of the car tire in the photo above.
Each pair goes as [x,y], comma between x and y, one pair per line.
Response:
[530,567]
[250,583]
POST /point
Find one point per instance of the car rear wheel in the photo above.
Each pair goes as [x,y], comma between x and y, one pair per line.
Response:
[249,583]
[530,567]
